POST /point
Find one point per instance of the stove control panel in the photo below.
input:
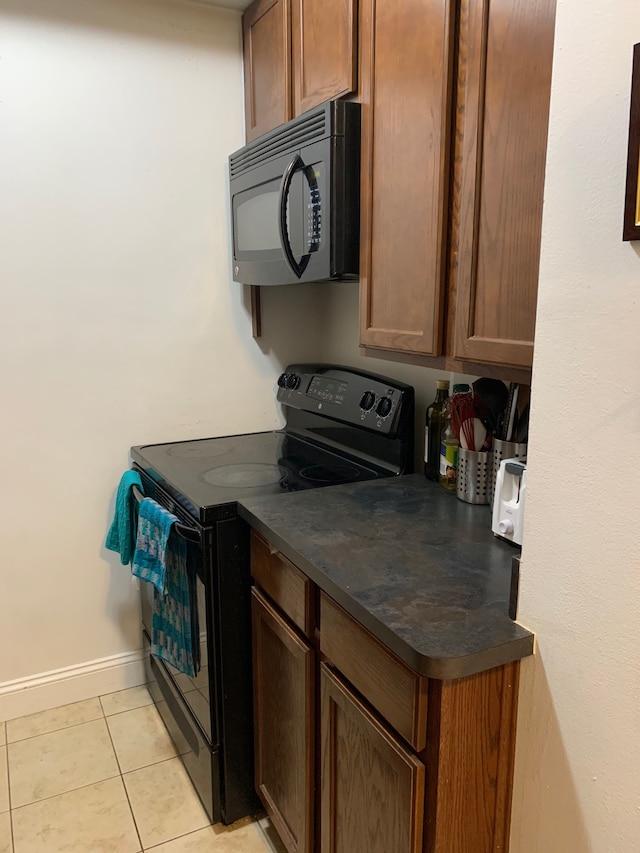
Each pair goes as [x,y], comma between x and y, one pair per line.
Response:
[355,397]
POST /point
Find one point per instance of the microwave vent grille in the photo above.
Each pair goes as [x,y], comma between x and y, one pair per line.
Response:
[307,129]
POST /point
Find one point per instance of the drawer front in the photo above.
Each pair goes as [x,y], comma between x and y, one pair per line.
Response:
[285,585]
[397,692]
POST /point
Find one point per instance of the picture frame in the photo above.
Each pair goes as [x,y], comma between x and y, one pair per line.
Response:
[631,226]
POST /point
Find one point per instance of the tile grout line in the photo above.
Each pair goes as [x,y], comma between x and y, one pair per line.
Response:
[63,793]
[126,792]
[6,759]
[103,715]
[60,729]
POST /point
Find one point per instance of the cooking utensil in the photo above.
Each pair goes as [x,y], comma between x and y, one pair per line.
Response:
[463,415]
[491,397]
[479,432]
[511,412]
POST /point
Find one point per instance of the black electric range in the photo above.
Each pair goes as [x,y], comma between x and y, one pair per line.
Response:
[342,425]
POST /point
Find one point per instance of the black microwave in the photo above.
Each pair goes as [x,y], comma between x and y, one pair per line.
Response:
[295,200]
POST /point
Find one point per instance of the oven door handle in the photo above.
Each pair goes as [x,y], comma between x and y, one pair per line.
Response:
[297,268]
[188,533]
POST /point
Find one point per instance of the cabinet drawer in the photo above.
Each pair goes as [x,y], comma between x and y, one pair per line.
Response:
[386,682]
[285,585]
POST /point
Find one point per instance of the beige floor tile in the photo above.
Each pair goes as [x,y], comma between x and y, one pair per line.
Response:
[219,839]
[5,833]
[3,734]
[164,802]
[4,781]
[95,819]
[60,761]
[51,721]
[125,700]
[140,738]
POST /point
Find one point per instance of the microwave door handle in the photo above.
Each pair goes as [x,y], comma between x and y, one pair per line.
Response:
[297,268]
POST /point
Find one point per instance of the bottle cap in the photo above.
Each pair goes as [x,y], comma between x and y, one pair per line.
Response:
[441,384]
[461,389]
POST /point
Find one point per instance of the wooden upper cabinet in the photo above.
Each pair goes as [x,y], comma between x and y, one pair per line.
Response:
[405,81]
[502,108]
[267,66]
[297,54]
[323,44]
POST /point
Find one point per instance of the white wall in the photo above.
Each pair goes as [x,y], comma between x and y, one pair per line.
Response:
[119,322]
[577,784]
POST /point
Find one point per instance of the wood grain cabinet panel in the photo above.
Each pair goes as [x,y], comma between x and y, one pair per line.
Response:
[284,725]
[504,85]
[388,684]
[283,582]
[323,45]
[267,66]
[372,787]
[469,759]
[405,87]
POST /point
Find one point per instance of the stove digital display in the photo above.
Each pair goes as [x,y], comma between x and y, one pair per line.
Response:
[328,390]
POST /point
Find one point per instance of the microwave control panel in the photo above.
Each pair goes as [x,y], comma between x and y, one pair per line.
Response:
[314,210]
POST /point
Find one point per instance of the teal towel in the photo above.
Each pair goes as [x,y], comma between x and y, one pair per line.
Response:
[121,535]
[160,558]
[149,559]
[171,629]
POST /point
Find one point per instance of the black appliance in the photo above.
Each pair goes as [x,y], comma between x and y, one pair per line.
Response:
[342,425]
[295,199]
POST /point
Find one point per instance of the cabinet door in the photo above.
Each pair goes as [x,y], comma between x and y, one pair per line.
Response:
[283,679]
[405,91]
[502,110]
[267,66]
[323,44]
[372,786]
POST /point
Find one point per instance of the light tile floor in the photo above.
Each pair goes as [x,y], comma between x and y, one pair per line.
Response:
[102,776]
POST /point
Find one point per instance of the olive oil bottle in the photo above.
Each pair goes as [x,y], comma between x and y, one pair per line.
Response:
[433,430]
[448,450]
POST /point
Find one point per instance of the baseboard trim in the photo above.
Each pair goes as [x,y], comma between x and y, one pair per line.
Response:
[71,684]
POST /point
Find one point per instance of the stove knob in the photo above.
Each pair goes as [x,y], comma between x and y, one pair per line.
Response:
[292,381]
[384,407]
[282,380]
[367,401]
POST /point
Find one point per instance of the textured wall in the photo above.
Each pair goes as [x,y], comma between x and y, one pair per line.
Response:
[119,323]
[577,780]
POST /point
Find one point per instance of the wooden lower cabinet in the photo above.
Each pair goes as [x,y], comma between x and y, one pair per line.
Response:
[357,753]
[284,725]
[372,786]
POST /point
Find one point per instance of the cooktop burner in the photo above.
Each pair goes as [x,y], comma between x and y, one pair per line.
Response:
[245,476]
[205,476]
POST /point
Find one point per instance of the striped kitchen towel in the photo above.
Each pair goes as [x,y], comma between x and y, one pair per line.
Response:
[160,558]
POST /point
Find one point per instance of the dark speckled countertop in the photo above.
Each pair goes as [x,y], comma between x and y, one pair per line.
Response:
[419,568]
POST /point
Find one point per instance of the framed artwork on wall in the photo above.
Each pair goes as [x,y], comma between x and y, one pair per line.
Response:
[631,227]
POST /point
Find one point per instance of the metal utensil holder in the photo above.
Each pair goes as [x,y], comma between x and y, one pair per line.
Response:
[474,475]
[503,450]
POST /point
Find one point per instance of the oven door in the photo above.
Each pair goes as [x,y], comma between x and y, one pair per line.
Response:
[281,218]
[196,692]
